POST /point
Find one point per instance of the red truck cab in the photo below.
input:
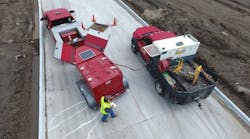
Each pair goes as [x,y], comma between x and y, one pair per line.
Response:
[145,36]
[67,33]
[57,17]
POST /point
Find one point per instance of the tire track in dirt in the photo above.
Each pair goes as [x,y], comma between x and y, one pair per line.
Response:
[241,4]
[233,6]
[139,8]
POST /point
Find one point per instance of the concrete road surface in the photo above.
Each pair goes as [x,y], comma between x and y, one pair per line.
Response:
[142,113]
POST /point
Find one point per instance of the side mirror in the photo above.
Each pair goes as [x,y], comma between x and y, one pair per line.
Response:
[43,18]
[71,11]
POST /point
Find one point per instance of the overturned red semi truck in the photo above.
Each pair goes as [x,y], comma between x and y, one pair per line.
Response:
[84,48]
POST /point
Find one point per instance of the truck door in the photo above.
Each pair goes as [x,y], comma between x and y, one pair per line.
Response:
[97,39]
[68,53]
[143,53]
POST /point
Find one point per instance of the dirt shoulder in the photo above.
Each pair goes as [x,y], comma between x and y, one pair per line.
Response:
[223,28]
[17,48]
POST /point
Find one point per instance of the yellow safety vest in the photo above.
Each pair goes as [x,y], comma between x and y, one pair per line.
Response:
[104,105]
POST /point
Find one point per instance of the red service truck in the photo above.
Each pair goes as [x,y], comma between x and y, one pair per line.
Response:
[85,49]
[169,59]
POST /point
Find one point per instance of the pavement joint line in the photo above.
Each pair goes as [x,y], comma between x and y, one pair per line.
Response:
[82,125]
[128,126]
[58,124]
[61,112]
[136,103]
[92,129]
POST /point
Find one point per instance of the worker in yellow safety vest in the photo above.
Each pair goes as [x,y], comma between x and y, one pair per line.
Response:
[106,108]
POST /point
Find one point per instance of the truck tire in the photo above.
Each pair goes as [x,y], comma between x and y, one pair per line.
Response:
[159,88]
[125,83]
[47,26]
[87,94]
[133,47]
[91,104]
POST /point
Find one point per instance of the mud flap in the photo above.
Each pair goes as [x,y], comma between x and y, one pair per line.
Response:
[125,83]
[197,100]
[87,94]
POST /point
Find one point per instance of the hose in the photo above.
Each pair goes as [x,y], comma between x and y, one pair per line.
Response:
[130,68]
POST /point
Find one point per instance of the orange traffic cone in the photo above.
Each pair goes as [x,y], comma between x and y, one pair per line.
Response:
[114,22]
[93,18]
[83,27]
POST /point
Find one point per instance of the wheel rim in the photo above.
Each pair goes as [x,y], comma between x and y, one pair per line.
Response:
[158,88]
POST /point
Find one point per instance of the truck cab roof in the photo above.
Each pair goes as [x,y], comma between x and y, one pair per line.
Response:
[57,17]
[56,14]
[152,33]
[161,35]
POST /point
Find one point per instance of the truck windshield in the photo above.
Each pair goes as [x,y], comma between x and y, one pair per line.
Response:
[62,21]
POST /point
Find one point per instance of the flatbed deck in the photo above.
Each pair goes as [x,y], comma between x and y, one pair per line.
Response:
[187,84]
[179,87]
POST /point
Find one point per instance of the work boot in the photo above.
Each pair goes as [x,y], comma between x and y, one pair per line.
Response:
[115,115]
[104,121]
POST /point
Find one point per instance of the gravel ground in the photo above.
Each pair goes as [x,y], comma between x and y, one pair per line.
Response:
[17,48]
